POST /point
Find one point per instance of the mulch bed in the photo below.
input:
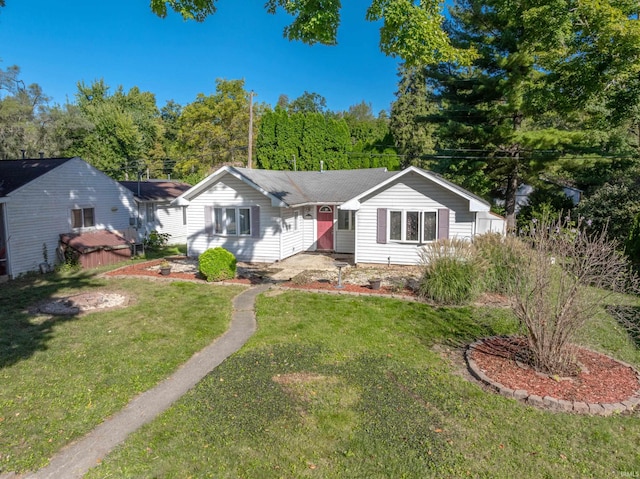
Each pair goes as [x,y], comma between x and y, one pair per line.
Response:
[349,288]
[601,380]
[151,269]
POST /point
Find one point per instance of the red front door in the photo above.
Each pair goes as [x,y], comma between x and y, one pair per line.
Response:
[325,228]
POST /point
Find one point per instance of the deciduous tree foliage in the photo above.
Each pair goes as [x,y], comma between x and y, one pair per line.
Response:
[125,137]
[214,129]
[411,30]
[25,118]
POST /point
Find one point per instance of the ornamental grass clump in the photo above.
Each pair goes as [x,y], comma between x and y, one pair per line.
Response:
[217,264]
[450,272]
[498,256]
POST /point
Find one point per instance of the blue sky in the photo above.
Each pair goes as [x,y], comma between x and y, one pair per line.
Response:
[59,43]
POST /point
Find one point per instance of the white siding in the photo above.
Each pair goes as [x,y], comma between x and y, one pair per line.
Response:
[309,229]
[228,192]
[40,211]
[410,192]
[292,238]
[168,219]
[490,223]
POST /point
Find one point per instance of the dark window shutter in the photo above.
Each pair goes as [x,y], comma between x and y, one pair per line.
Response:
[208,223]
[255,222]
[381,236]
[443,223]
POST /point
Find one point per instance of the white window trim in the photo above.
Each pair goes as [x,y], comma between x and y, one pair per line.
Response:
[82,208]
[224,221]
[403,234]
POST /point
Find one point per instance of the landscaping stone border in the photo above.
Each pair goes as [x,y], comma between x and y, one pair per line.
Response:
[548,402]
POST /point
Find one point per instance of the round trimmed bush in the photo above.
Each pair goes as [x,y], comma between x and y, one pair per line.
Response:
[217,264]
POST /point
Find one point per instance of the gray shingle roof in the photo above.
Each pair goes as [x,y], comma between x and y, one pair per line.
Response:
[156,190]
[17,173]
[334,186]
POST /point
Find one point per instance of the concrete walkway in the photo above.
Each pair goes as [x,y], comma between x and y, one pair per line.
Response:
[76,459]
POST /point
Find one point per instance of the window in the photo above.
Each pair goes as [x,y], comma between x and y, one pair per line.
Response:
[82,218]
[346,220]
[429,224]
[395,225]
[244,221]
[412,226]
[232,221]
[296,215]
[151,216]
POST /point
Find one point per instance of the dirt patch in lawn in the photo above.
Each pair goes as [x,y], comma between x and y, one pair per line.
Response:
[81,303]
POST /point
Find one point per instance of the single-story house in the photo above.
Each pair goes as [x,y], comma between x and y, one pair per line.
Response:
[42,199]
[379,216]
[154,210]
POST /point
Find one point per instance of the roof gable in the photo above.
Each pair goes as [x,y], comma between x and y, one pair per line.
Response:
[475,202]
[15,174]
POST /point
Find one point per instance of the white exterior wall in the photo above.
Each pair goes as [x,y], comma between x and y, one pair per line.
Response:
[490,223]
[309,241]
[231,192]
[411,193]
[168,219]
[292,238]
[40,211]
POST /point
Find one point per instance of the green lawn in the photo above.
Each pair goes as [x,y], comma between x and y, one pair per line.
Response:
[346,387]
[61,376]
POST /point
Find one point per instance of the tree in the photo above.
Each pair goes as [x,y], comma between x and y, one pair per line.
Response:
[24,114]
[371,140]
[412,133]
[500,110]
[126,131]
[214,129]
[301,141]
[411,30]
[308,103]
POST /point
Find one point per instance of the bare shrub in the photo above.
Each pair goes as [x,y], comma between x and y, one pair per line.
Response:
[564,279]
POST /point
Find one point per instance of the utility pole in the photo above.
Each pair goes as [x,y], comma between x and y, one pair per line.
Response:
[250,148]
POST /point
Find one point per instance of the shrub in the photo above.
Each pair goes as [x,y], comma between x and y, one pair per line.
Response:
[564,280]
[217,264]
[498,256]
[450,272]
[154,240]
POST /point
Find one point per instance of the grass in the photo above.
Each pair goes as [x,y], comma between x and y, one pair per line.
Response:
[338,386]
[61,376]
